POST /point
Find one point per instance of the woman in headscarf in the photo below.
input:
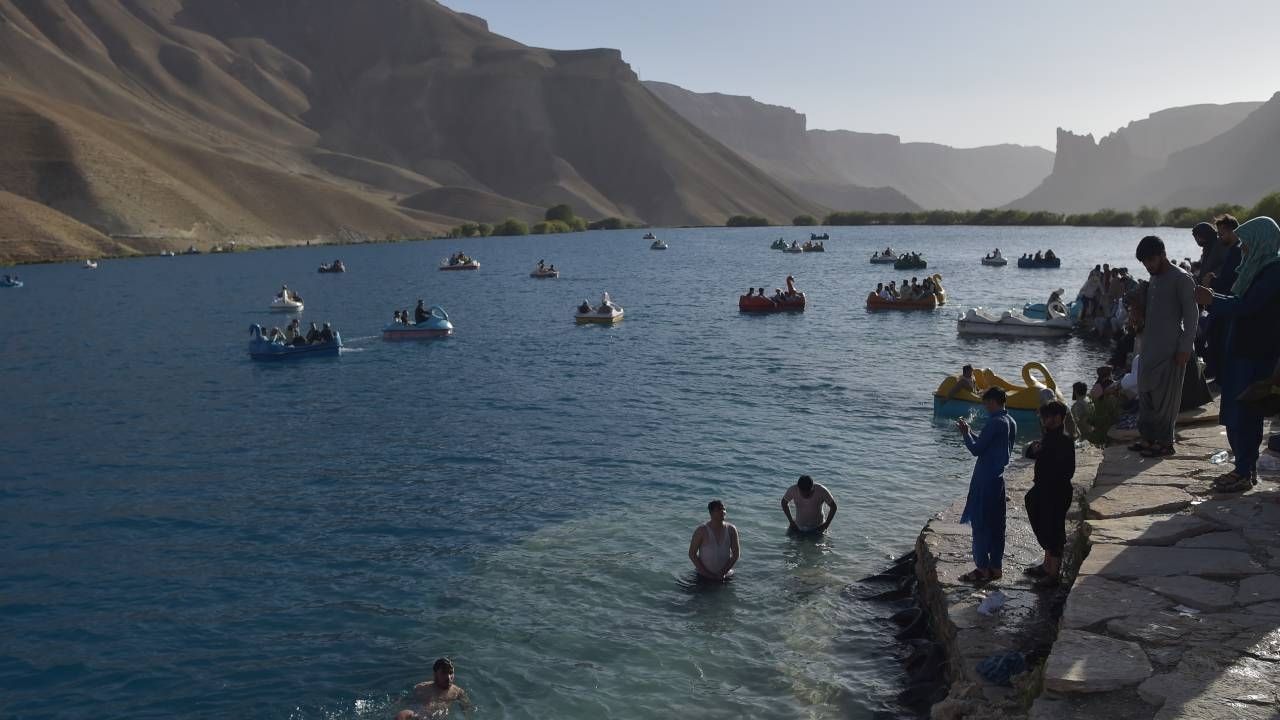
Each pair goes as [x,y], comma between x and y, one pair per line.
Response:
[1253,345]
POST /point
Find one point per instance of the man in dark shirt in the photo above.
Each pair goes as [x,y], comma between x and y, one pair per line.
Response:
[1220,281]
[1051,492]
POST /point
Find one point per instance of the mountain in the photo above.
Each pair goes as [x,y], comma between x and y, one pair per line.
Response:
[1131,166]
[173,121]
[819,162]
[1241,165]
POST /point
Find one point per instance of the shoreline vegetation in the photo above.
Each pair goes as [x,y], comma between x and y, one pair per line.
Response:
[561,219]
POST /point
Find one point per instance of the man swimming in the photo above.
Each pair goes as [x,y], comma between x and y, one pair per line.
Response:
[809,498]
[714,549]
[437,697]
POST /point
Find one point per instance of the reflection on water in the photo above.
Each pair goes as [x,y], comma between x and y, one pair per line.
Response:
[308,537]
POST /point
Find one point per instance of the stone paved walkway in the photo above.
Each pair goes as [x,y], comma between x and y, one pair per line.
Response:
[1176,609]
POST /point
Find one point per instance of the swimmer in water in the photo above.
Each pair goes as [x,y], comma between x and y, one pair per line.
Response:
[714,549]
[436,698]
[809,497]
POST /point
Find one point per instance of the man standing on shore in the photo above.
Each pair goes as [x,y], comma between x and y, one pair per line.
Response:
[1168,335]
[1220,280]
[809,498]
[1051,492]
[985,507]
[714,549]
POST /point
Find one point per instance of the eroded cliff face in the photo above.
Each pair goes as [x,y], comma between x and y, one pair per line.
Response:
[1128,168]
[359,101]
[828,165]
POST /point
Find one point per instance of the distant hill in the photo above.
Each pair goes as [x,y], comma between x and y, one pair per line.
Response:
[1131,167]
[1241,165]
[290,120]
[827,165]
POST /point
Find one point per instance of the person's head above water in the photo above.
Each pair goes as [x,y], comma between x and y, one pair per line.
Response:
[994,399]
[442,672]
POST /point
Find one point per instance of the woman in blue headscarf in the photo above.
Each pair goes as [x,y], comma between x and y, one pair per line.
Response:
[1253,344]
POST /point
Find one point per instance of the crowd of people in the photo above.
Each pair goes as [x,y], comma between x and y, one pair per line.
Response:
[915,289]
[293,335]
[1037,255]
[1218,313]
[460,258]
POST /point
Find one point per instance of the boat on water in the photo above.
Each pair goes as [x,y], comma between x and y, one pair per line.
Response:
[928,302]
[888,257]
[286,301]
[260,348]
[10,281]
[606,313]
[334,267]
[657,245]
[191,251]
[1028,262]
[545,271]
[778,244]
[168,253]
[90,265]
[649,236]
[1023,400]
[976,321]
[995,259]
[791,301]
[794,247]
[1039,311]
[813,247]
[459,261]
[910,261]
[815,236]
[435,325]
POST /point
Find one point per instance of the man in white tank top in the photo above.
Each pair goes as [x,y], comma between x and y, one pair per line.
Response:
[809,498]
[714,548]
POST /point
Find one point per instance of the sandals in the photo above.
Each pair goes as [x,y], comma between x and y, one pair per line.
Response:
[1156,451]
[975,577]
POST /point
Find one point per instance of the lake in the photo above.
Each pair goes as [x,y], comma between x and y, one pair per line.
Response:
[186,532]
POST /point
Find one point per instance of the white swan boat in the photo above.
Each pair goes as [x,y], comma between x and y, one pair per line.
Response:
[884,258]
[90,265]
[286,304]
[657,245]
[606,313]
[977,321]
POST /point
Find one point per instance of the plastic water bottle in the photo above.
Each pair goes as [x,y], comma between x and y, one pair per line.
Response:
[1219,457]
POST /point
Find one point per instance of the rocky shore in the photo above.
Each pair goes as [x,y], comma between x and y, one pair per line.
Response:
[1172,609]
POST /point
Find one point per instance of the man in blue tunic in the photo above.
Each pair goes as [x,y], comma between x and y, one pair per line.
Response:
[985,508]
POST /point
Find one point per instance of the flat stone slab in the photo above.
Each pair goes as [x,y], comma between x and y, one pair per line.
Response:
[1259,588]
[1250,511]
[1217,540]
[1083,662]
[1133,466]
[1192,591]
[1094,599]
[1148,529]
[1135,561]
[1216,682]
[1114,501]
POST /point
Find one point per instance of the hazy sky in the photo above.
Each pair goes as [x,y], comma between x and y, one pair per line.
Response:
[950,71]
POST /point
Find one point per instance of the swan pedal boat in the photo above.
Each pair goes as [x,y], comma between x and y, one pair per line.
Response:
[757,304]
[657,245]
[468,265]
[11,283]
[997,261]
[603,315]
[977,321]
[795,249]
[884,258]
[90,265]
[649,236]
[1036,311]
[1032,263]
[332,268]
[930,302]
[280,304]
[544,273]
[1023,401]
[435,325]
[262,349]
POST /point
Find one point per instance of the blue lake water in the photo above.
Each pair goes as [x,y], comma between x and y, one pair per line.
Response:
[186,532]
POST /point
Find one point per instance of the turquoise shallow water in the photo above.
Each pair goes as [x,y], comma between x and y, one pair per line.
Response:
[184,532]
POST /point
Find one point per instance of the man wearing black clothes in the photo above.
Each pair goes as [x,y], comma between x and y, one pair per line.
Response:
[1051,492]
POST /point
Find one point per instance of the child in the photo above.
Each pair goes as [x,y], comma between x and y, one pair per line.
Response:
[1081,407]
[1051,492]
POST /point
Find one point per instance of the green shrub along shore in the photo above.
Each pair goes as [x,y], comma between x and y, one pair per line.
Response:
[561,219]
[557,219]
